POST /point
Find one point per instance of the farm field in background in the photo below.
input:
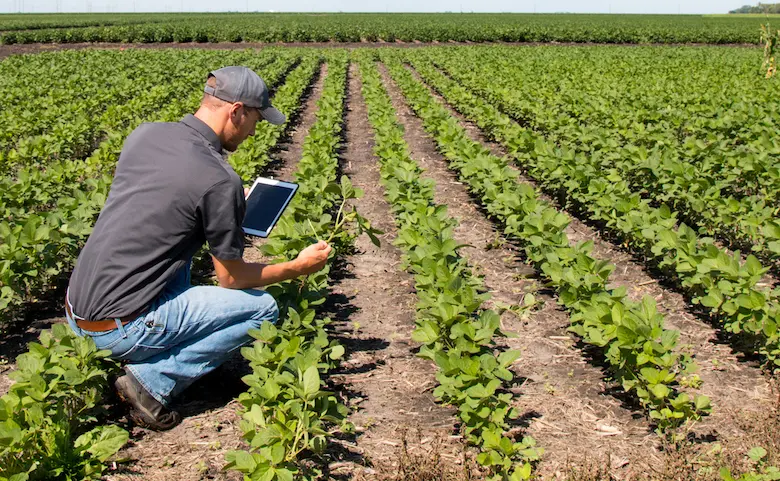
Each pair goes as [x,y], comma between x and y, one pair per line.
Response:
[554,262]
[372,27]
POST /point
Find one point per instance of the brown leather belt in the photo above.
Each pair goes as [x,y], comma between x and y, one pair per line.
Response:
[104,324]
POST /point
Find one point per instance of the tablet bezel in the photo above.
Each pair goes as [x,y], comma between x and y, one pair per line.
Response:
[262,180]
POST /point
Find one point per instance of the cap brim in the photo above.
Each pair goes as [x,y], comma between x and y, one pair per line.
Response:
[272,115]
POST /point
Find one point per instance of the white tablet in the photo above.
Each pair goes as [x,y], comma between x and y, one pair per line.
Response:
[265,203]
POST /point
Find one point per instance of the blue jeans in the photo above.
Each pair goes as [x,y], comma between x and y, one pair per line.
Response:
[188,332]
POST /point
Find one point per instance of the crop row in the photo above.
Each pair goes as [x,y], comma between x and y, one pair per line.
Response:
[714,278]
[286,413]
[56,93]
[456,332]
[631,336]
[720,175]
[272,27]
[48,425]
[48,214]
[82,124]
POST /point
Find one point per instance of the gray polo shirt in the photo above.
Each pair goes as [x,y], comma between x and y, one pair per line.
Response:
[172,192]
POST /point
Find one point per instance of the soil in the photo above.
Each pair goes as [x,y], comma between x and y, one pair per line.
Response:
[291,150]
[727,380]
[561,398]
[389,386]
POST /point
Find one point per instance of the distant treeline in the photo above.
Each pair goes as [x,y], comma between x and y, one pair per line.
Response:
[760,8]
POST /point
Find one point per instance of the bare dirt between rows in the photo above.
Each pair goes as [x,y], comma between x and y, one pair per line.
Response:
[727,378]
[31,48]
[291,150]
[390,388]
[561,397]
[736,388]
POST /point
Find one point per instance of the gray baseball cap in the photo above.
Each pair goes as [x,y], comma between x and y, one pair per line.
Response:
[241,84]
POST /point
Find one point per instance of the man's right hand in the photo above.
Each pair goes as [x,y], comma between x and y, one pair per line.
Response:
[313,258]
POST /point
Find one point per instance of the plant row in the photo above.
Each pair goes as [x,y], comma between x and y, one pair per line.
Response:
[640,351]
[71,121]
[725,181]
[714,278]
[48,424]
[356,27]
[678,100]
[287,416]
[458,335]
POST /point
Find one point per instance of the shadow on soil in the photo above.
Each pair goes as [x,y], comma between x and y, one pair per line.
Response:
[48,309]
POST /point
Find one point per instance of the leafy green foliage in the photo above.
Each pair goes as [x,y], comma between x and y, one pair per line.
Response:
[712,160]
[356,27]
[286,412]
[47,418]
[456,333]
[713,277]
[639,349]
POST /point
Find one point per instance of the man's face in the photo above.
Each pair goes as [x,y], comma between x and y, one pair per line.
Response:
[243,122]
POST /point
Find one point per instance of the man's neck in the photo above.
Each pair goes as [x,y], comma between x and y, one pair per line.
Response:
[213,120]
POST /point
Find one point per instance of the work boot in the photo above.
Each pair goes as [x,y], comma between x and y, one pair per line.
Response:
[146,411]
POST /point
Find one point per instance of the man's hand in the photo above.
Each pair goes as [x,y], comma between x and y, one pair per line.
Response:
[313,258]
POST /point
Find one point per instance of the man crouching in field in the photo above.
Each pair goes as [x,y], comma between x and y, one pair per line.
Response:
[172,192]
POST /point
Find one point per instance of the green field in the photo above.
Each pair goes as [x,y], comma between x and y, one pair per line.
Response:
[671,154]
[360,27]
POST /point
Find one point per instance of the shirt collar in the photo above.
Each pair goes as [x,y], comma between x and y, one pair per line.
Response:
[204,130]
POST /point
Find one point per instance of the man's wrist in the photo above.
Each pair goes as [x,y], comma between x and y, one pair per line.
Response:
[296,265]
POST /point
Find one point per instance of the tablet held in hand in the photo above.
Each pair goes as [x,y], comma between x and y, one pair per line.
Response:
[265,203]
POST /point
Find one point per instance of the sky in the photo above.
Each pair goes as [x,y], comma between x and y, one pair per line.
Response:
[541,6]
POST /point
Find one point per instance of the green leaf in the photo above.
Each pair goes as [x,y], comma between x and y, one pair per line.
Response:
[245,462]
[426,333]
[104,441]
[506,358]
[757,453]
[337,352]
[284,474]
[311,381]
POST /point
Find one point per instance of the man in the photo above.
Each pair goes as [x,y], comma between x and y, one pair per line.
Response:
[172,192]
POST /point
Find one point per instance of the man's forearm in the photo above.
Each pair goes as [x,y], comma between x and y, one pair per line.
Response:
[238,274]
[254,274]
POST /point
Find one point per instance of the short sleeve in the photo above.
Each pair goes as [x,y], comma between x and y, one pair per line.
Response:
[222,210]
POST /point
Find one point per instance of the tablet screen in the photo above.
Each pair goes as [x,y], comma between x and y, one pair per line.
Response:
[265,204]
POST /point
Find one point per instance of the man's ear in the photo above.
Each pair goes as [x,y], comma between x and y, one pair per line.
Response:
[235,112]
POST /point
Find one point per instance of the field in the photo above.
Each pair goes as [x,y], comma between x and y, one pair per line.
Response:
[373,27]
[552,262]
